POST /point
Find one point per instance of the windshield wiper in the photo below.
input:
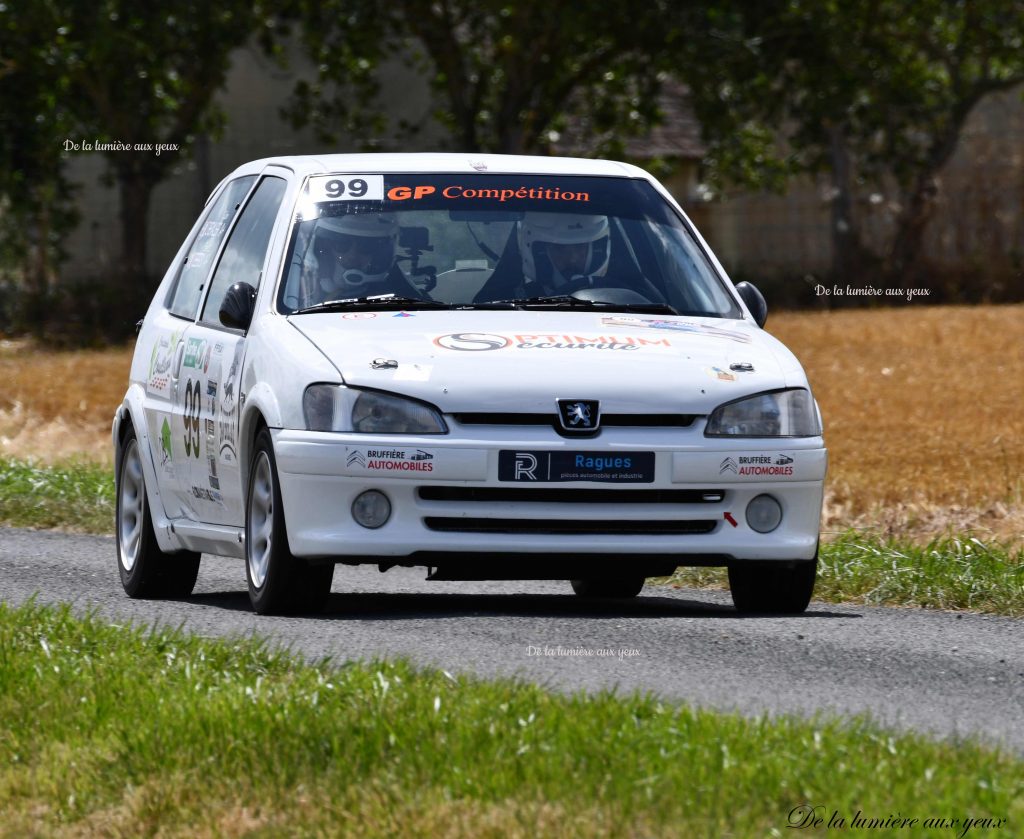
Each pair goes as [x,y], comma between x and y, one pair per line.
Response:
[377,301]
[549,300]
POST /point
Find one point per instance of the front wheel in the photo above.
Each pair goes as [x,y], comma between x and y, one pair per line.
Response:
[146,571]
[278,581]
[767,587]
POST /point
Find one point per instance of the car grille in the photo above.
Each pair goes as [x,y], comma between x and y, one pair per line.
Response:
[610,512]
[607,420]
[605,527]
[571,496]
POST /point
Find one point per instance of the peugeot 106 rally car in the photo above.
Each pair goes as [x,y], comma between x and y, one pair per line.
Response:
[495,367]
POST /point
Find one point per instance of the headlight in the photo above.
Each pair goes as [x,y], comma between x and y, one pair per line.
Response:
[382,413]
[338,408]
[783,413]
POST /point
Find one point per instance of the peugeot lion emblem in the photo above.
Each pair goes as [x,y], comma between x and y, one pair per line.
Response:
[579,414]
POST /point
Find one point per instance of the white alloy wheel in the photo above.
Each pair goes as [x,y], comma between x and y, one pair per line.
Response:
[145,570]
[279,582]
[130,520]
[261,520]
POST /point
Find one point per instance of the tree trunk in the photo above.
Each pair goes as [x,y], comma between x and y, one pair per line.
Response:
[849,256]
[512,139]
[37,272]
[904,263]
[133,286]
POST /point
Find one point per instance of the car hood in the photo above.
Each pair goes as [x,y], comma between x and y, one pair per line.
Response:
[521,361]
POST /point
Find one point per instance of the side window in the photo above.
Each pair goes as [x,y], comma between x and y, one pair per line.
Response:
[184,299]
[242,260]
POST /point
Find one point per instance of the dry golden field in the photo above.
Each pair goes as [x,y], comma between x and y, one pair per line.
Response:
[924,415]
[59,405]
[923,408]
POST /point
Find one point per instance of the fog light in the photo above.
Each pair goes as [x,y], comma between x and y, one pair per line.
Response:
[371,509]
[764,514]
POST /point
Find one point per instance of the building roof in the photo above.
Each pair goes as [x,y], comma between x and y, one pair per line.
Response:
[677,136]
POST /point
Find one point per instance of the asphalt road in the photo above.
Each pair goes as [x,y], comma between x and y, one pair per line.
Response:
[943,673]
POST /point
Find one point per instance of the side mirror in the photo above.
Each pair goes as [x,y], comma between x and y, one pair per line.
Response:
[755,302]
[236,310]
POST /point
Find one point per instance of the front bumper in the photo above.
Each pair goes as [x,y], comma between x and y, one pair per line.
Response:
[446,497]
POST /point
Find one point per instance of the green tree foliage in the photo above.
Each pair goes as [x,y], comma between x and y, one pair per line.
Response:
[135,80]
[146,74]
[36,207]
[507,77]
[874,93]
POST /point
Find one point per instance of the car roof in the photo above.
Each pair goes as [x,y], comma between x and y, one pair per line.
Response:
[446,162]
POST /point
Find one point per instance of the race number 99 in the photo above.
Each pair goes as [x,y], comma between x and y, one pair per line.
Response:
[336,188]
[346,188]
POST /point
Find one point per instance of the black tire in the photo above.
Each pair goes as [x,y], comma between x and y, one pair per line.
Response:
[279,583]
[621,588]
[781,588]
[146,571]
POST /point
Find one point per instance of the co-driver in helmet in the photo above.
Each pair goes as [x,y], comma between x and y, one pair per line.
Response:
[563,252]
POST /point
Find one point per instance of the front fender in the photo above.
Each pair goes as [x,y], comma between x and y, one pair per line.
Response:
[261,407]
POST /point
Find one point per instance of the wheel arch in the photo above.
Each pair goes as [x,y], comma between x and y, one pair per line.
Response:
[130,415]
[253,421]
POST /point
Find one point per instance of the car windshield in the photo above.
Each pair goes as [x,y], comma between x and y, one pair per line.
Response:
[494,241]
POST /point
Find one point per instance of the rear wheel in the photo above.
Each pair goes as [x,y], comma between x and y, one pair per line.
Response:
[146,571]
[618,587]
[773,587]
[278,581]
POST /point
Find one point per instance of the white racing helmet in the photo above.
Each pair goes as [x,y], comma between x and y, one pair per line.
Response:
[538,231]
[355,249]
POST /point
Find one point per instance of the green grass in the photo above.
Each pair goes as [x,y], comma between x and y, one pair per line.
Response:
[114,730]
[949,573]
[75,496]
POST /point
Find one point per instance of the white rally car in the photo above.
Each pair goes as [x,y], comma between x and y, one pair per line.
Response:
[495,367]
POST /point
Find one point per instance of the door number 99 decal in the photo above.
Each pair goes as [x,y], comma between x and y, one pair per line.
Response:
[193,405]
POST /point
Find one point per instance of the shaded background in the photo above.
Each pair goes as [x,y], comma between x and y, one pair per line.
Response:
[861,144]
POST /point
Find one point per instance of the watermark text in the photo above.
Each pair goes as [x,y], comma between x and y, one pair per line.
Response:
[118,145]
[559,651]
[869,291]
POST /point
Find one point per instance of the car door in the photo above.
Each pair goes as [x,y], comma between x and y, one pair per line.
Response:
[166,332]
[208,402]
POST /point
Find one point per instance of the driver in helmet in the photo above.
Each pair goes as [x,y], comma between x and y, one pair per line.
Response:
[563,252]
[355,255]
